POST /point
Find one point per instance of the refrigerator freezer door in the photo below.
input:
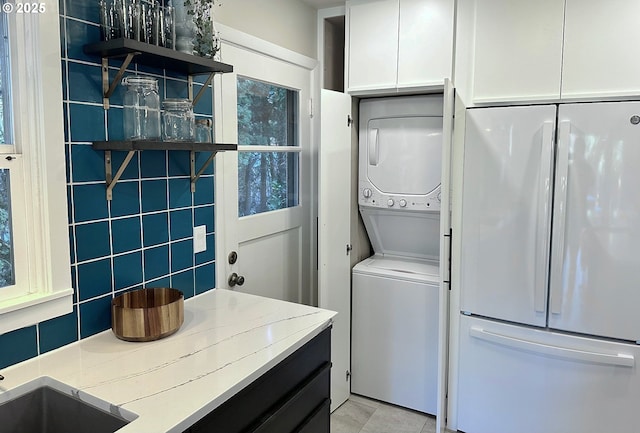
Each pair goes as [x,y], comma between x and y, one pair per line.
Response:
[595,267]
[506,212]
[518,379]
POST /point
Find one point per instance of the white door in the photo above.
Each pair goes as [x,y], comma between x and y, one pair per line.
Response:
[518,50]
[506,212]
[334,289]
[266,184]
[372,44]
[595,262]
[598,34]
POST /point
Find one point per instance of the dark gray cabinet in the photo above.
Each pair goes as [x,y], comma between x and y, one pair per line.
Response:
[292,397]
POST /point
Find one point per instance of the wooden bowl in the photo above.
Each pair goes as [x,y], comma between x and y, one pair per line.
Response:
[147,314]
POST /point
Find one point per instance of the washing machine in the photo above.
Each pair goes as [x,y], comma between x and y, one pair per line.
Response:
[394,337]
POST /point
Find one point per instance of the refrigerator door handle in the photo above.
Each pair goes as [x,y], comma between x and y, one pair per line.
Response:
[373,146]
[616,359]
[543,218]
[559,216]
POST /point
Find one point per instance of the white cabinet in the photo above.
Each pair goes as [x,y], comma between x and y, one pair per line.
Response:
[398,45]
[601,56]
[518,50]
[550,50]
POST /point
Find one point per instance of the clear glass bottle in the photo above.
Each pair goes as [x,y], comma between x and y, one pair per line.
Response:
[203,131]
[178,120]
[141,108]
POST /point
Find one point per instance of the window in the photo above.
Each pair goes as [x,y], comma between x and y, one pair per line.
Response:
[35,282]
[268,163]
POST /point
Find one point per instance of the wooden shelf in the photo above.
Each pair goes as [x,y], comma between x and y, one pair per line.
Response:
[133,146]
[154,56]
[158,57]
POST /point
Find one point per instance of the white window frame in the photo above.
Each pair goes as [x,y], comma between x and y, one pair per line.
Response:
[40,170]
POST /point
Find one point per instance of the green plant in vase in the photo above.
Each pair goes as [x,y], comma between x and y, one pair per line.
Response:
[206,41]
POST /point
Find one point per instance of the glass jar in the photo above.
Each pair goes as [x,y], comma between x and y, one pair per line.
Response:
[203,131]
[178,120]
[141,109]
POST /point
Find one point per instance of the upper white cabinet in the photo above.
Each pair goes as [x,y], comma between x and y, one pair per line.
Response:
[398,45]
[547,50]
[601,58]
[518,50]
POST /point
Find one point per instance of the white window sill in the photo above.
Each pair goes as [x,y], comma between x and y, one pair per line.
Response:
[28,310]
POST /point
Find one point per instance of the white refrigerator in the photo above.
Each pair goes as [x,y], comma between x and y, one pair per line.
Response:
[550,269]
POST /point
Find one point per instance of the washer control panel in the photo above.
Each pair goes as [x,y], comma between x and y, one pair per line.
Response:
[368,195]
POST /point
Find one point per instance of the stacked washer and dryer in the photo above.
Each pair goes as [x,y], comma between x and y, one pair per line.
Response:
[395,292]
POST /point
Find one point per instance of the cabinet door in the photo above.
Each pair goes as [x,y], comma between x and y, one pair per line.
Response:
[601,57]
[518,50]
[425,42]
[372,44]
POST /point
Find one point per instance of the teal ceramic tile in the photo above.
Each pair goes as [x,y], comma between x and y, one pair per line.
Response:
[63,69]
[204,191]
[94,279]
[181,255]
[176,89]
[72,245]
[205,103]
[86,122]
[131,172]
[155,229]
[160,282]
[201,158]
[95,316]
[126,199]
[179,193]
[67,161]
[83,9]
[90,202]
[85,82]
[115,126]
[209,254]
[183,281]
[92,240]
[18,346]
[59,331]
[77,35]
[125,234]
[205,278]
[204,216]
[87,164]
[179,163]
[63,40]
[156,262]
[181,224]
[153,163]
[154,195]
[127,270]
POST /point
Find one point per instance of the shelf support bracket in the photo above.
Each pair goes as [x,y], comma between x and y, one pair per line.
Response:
[112,180]
[107,87]
[195,176]
[201,92]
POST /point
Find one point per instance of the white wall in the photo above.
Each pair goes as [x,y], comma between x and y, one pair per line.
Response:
[288,23]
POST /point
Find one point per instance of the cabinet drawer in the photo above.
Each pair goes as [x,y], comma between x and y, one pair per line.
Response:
[318,421]
[296,409]
[245,411]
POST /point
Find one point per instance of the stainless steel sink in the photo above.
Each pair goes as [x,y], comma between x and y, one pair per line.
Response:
[45,405]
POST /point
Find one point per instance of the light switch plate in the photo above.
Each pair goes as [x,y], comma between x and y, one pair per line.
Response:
[199,239]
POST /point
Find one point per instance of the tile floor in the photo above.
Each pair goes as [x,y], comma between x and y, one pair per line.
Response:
[362,415]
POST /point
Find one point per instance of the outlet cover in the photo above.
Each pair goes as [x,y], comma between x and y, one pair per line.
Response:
[199,239]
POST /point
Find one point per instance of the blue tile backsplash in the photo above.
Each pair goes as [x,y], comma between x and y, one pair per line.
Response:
[144,236]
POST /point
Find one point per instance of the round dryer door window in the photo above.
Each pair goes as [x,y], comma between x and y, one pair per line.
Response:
[405,154]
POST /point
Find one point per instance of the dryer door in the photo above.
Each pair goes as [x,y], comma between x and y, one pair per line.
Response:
[404,154]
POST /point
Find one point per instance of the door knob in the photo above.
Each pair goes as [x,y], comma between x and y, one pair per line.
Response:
[233,257]
[235,279]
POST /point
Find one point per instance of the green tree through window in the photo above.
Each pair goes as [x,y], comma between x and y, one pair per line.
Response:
[267,116]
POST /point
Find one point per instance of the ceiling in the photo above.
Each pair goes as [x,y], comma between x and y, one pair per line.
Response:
[321,4]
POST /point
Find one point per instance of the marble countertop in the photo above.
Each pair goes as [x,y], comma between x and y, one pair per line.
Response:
[228,340]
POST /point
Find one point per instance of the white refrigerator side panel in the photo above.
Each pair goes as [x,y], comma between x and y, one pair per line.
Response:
[595,263]
[515,379]
[506,212]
